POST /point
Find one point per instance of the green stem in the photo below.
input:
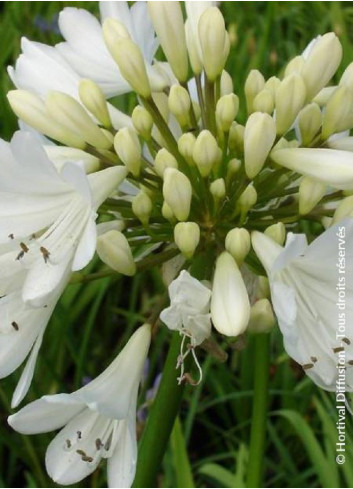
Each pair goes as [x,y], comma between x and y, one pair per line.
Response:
[160,422]
[259,413]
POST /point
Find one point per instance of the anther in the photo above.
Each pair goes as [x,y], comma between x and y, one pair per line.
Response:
[11,236]
[68,443]
[99,444]
[346,340]
[313,359]
[15,325]
[45,253]
[79,435]
[338,349]
[307,366]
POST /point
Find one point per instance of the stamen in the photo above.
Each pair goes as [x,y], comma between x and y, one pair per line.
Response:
[338,349]
[11,236]
[99,444]
[68,443]
[313,359]
[79,435]
[307,366]
[346,340]
[15,325]
[45,253]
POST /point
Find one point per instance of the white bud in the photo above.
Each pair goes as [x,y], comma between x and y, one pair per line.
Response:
[262,319]
[194,49]
[179,104]
[187,237]
[238,244]
[226,83]
[164,160]
[264,102]
[272,84]
[142,122]
[214,42]
[226,111]
[294,66]
[230,307]
[347,77]
[93,99]
[114,250]
[247,199]
[344,209]
[127,56]
[206,152]
[167,212]
[254,83]
[218,189]
[259,136]
[290,98]
[233,167]
[277,232]
[142,207]
[338,115]
[127,147]
[309,122]
[345,144]
[60,155]
[236,137]
[321,63]
[310,193]
[167,19]
[177,192]
[186,144]
[32,110]
[263,287]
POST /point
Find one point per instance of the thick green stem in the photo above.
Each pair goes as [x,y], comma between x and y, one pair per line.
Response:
[259,413]
[160,422]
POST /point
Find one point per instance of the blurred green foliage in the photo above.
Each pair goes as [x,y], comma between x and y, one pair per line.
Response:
[94,320]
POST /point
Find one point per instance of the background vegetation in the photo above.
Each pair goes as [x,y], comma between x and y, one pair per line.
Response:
[94,320]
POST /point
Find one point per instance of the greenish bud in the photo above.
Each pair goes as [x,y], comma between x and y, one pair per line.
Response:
[238,244]
[128,148]
[187,238]
[142,122]
[309,122]
[114,250]
[142,207]
[254,83]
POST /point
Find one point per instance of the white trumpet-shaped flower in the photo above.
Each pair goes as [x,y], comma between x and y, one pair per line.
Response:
[98,421]
[312,295]
[47,230]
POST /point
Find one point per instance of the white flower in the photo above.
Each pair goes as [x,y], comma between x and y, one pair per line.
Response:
[99,420]
[47,230]
[307,285]
[189,308]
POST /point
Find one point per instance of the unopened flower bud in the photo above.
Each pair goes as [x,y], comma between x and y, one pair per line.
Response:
[142,207]
[114,250]
[214,42]
[309,122]
[247,199]
[321,62]
[32,110]
[127,147]
[230,307]
[179,104]
[206,152]
[127,56]
[177,192]
[226,83]
[345,144]
[236,137]
[272,84]
[290,98]
[344,209]
[187,237]
[69,113]
[218,189]
[226,111]
[254,83]
[186,144]
[263,287]
[264,102]
[238,244]
[167,19]
[93,99]
[233,167]
[277,232]
[310,193]
[259,136]
[338,115]
[294,66]
[193,47]
[347,77]
[167,212]
[142,122]
[262,319]
[164,160]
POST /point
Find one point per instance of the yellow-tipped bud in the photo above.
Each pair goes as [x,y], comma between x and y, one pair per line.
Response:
[214,42]
[277,232]
[32,110]
[142,207]
[179,104]
[164,160]
[236,137]
[167,19]
[186,144]
[310,193]
[259,136]
[142,122]
[238,244]
[127,147]
[226,83]
[290,98]
[114,250]
[218,189]
[262,319]
[187,237]
[321,62]
[264,102]
[338,115]
[70,114]
[127,56]
[254,83]
[206,152]
[93,99]
[309,122]
[344,209]
[226,111]
[177,192]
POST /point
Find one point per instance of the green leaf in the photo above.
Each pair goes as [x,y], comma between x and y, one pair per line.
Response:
[180,457]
